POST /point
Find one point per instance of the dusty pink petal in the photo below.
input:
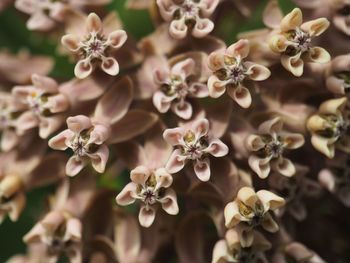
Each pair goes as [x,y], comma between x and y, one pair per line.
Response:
[161,101]
[166,8]
[99,134]
[199,90]
[292,140]
[115,103]
[60,141]
[260,166]
[22,92]
[271,126]
[316,27]
[9,139]
[272,15]
[169,202]
[176,162]
[74,165]
[239,49]
[161,75]
[28,120]
[255,143]
[40,21]
[73,229]
[241,95]
[216,60]
[178,29]
[79,123]
[163,178]
[202,169]
[200,127]
[134,123]
[140,174]
[110,66]
[117,38]
[257,72]
[93,23]
[52,221]
[217,148]
[49,125]
[34,235]
[184,68]
[202,27]
[146,216]
[57,103]
[182,109]
[99,158]
[83,69]
[319,55]
[127,195]
[174,136]
[71,42]
[45,84]
[216,87]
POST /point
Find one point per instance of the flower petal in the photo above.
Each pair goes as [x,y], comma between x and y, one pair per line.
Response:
[74,165]
[176,162]
[147,216]
[110,66]
[83,69]
[202,169]
[127,195]
[71,42]
[202,27]
[292,20]
[117,38]
[93,23]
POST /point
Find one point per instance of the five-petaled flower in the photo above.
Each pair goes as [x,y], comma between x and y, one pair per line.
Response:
[268,146]
[94,47]
[230,71]
[293,41]
[42,101]
[188,15]
[151,187]
[251,209]
[330,127]
[87,140]
[193,142]
[61,234]
[177,84]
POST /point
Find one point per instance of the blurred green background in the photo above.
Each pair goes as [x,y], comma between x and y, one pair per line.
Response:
[14,36]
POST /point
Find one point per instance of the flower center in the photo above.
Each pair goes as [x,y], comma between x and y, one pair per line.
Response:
[337,126]
[94,46]
[255,215]
[177,86]
[233,72]
[274,147]
[193,147]
[37,104]
[150,193]
[299,41]
[80,145]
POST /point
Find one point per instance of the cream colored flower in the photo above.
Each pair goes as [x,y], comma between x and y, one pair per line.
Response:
[251,209]
[329,127]
[293,40]
[268,146]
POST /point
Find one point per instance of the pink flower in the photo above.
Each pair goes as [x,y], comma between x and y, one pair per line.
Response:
[269,145]
[193,143]
[87,140]
[43,102]
[43,13]
[151,187]
[230,71]
[188,15]
[92,47]
[179,83]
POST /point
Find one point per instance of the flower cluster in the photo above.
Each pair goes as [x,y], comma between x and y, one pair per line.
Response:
[194,140]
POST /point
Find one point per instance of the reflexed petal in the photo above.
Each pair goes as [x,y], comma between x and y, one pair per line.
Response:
[140,174]
[74,166]
[202,27]
[232,215]
[200,127]
[60,141]
[260,166]
[202,169]
[336,85]
[9,140]
[199,90]
[93,23]
[73,229]
[217,148]
[99,134]
[257,72]
[45,84]
[99,158]
[293,140]
[323,145]
[26,121]
[162,102]
[176,162]
[278,43]
[127,195]
[220,252]
[241,95]
[117,38]
[163,178]
[184,68]
[248,196]
[272,15]
[110,66]
[178,29]
[216,87]
[183,109]
[147,216]
[284,166]
[254,143]
[327,179]
[319,55]
[239,49]
[216,60]
[83,69]
[79,123]
[292,20]
[209,7]
[40,21]
[271,126]
[294,64]
[333,106]
[316,27]
[270,200]
[71,42]
[169,202]
[174,136]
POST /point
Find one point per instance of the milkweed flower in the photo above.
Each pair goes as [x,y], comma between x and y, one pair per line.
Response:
[193,142]
[152,188]
[93,47]
[268,146]
[231,71]
[251,209]
[230,249]
[329,127]
[43,102]
[338,75]
[293,40]
[178,82]
[188,16]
